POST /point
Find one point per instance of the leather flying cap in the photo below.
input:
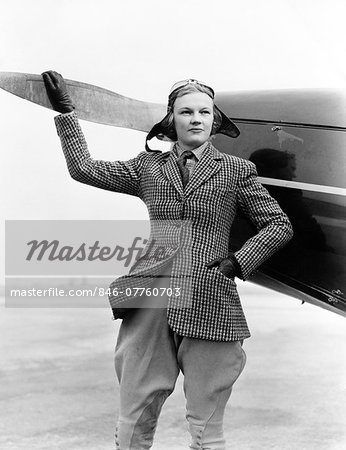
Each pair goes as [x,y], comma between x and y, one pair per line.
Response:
[164,132]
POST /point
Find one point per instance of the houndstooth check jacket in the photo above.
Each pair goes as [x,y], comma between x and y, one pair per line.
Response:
[190,227]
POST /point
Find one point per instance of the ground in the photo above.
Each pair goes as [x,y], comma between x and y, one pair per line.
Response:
[58,389]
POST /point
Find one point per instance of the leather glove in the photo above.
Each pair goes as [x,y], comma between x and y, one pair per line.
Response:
[57,92]
[228,266]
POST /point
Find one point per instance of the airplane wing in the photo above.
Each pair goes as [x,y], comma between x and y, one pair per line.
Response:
[93,103]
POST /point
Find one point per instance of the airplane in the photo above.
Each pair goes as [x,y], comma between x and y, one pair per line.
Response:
[296,138]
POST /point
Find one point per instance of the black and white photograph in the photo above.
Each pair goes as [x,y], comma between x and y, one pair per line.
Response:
[173,225]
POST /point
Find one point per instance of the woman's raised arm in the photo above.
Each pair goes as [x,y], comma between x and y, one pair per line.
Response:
[119,176]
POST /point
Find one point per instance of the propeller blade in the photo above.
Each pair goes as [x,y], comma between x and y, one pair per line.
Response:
[93,103]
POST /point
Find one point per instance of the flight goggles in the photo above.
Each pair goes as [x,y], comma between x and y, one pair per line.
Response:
[183,83]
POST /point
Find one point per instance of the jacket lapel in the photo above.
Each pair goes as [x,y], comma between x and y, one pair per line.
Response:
[171,171]
[206,167]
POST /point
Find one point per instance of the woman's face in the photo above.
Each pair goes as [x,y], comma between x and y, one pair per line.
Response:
[193,119]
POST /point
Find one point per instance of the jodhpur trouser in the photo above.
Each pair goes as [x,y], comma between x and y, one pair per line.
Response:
[148,358]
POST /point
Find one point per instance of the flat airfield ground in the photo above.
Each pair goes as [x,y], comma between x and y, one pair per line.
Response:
[58,388]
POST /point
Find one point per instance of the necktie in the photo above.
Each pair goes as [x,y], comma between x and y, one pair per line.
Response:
[184,171]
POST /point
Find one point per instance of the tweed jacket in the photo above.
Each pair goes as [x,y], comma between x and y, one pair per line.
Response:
[189,226]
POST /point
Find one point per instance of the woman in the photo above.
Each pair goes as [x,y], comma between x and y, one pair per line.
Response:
[192,193]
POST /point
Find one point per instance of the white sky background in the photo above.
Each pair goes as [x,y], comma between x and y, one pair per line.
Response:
[139,49]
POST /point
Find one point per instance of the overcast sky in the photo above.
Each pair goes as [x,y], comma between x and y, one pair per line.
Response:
[139,49]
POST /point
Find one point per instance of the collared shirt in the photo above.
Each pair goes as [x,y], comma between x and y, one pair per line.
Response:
[191,162]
